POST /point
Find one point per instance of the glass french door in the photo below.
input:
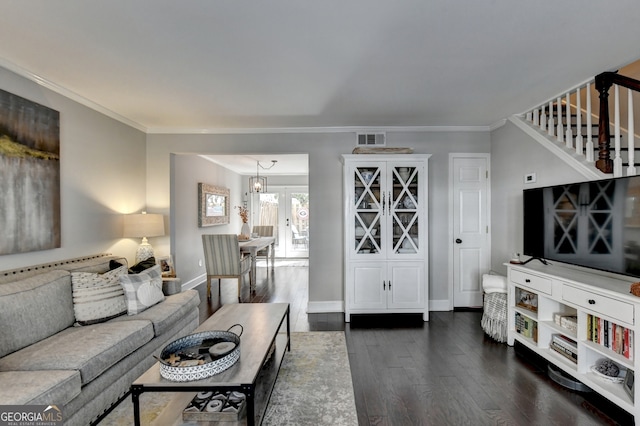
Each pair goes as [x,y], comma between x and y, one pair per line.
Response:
[287,210]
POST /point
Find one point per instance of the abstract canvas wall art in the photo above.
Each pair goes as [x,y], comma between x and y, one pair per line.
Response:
[29,175]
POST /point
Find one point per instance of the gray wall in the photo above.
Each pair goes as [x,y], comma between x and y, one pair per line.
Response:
[326,253]
[514,155]
[188,171]
[102,172]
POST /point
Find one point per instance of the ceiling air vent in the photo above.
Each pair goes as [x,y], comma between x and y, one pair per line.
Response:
[371,139]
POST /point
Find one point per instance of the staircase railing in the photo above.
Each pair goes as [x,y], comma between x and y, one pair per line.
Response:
[561,118]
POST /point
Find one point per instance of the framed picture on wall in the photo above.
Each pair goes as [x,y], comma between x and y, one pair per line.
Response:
[213,205]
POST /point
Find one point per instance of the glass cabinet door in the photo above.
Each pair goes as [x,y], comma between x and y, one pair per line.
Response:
[405,209]
[368,209]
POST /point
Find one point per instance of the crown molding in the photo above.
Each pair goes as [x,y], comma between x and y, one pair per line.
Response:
[346,129]
[48,84]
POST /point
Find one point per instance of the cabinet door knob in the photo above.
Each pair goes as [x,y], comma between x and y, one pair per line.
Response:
[384,285]
[592,302]
[527,280]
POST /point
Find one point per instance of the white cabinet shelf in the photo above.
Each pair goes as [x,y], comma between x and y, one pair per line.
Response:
[599,307]
[386,241]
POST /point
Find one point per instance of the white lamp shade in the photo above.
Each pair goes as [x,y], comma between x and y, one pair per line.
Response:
[143,225]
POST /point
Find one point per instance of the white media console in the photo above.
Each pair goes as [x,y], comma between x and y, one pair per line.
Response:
[543,301]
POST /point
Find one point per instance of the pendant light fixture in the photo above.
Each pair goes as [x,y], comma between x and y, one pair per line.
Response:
[258,183]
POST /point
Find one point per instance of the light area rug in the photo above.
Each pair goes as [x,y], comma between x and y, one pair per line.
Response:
[314,384]
[313,387]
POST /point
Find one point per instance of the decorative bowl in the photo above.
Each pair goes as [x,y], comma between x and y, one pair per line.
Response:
[178,373]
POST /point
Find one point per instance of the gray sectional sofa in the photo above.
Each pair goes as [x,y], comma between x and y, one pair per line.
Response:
[45,358]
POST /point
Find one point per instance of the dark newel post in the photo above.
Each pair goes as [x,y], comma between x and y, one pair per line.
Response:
[604,162]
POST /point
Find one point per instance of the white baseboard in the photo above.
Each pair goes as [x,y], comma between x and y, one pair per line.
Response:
[325,307]
[194,282]
[338,306]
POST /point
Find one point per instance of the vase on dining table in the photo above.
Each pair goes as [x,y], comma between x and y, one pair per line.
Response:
[245,231]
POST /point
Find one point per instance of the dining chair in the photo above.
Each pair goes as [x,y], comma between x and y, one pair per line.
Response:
[264,231]
[222,259]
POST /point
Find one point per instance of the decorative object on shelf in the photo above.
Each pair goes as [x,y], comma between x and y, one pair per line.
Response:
[166,266]
[635,289]
[408,202]
[213,205]
[143,225]
[380,150]
[527,300]
[188,358]
[258,183]
[367,175]
[515,258]
[404,173]
[608,370]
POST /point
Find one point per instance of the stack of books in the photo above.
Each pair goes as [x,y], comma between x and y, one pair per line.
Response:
[570,322]
[565,347]
[527,327]
[610,335]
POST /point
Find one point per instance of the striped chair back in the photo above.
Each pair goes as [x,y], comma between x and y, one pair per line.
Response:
[221,254]
[264,230]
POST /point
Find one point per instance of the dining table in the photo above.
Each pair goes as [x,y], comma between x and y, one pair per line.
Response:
[252,247]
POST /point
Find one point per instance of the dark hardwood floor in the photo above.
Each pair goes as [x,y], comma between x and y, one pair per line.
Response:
[443,372]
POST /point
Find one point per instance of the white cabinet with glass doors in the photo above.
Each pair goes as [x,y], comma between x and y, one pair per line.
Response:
[386,238]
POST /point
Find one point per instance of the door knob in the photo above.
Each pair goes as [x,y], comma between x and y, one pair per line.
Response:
[458,241]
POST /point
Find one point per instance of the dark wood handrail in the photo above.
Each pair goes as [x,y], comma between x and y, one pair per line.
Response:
[603,83]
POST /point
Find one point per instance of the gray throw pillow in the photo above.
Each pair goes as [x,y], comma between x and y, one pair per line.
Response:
[142,290]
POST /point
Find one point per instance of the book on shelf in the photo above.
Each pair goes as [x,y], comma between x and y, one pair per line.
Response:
[526,326]
[568,321]
[565,342]
[610,335]
[572,356]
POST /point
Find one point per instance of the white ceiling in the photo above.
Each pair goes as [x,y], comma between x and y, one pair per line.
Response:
[286,164]
[207,65]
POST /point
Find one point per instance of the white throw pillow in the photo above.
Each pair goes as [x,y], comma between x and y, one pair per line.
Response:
[98,297]
[142,290]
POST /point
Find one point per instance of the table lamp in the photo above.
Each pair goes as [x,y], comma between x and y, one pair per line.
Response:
[143,225]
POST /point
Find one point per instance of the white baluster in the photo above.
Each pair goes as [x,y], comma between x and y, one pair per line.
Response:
[529,116]
[560,133]
[543,118]
[579,140]
[589,145]
[536,117]
[569,135]
[550,123]
[617,160]
[631,145]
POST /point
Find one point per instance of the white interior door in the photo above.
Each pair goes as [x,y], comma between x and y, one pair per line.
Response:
[471,238]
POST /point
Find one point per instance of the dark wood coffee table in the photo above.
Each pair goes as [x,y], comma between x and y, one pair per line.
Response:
[264,325]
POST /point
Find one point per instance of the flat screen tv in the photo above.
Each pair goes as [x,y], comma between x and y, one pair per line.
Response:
[593,224]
